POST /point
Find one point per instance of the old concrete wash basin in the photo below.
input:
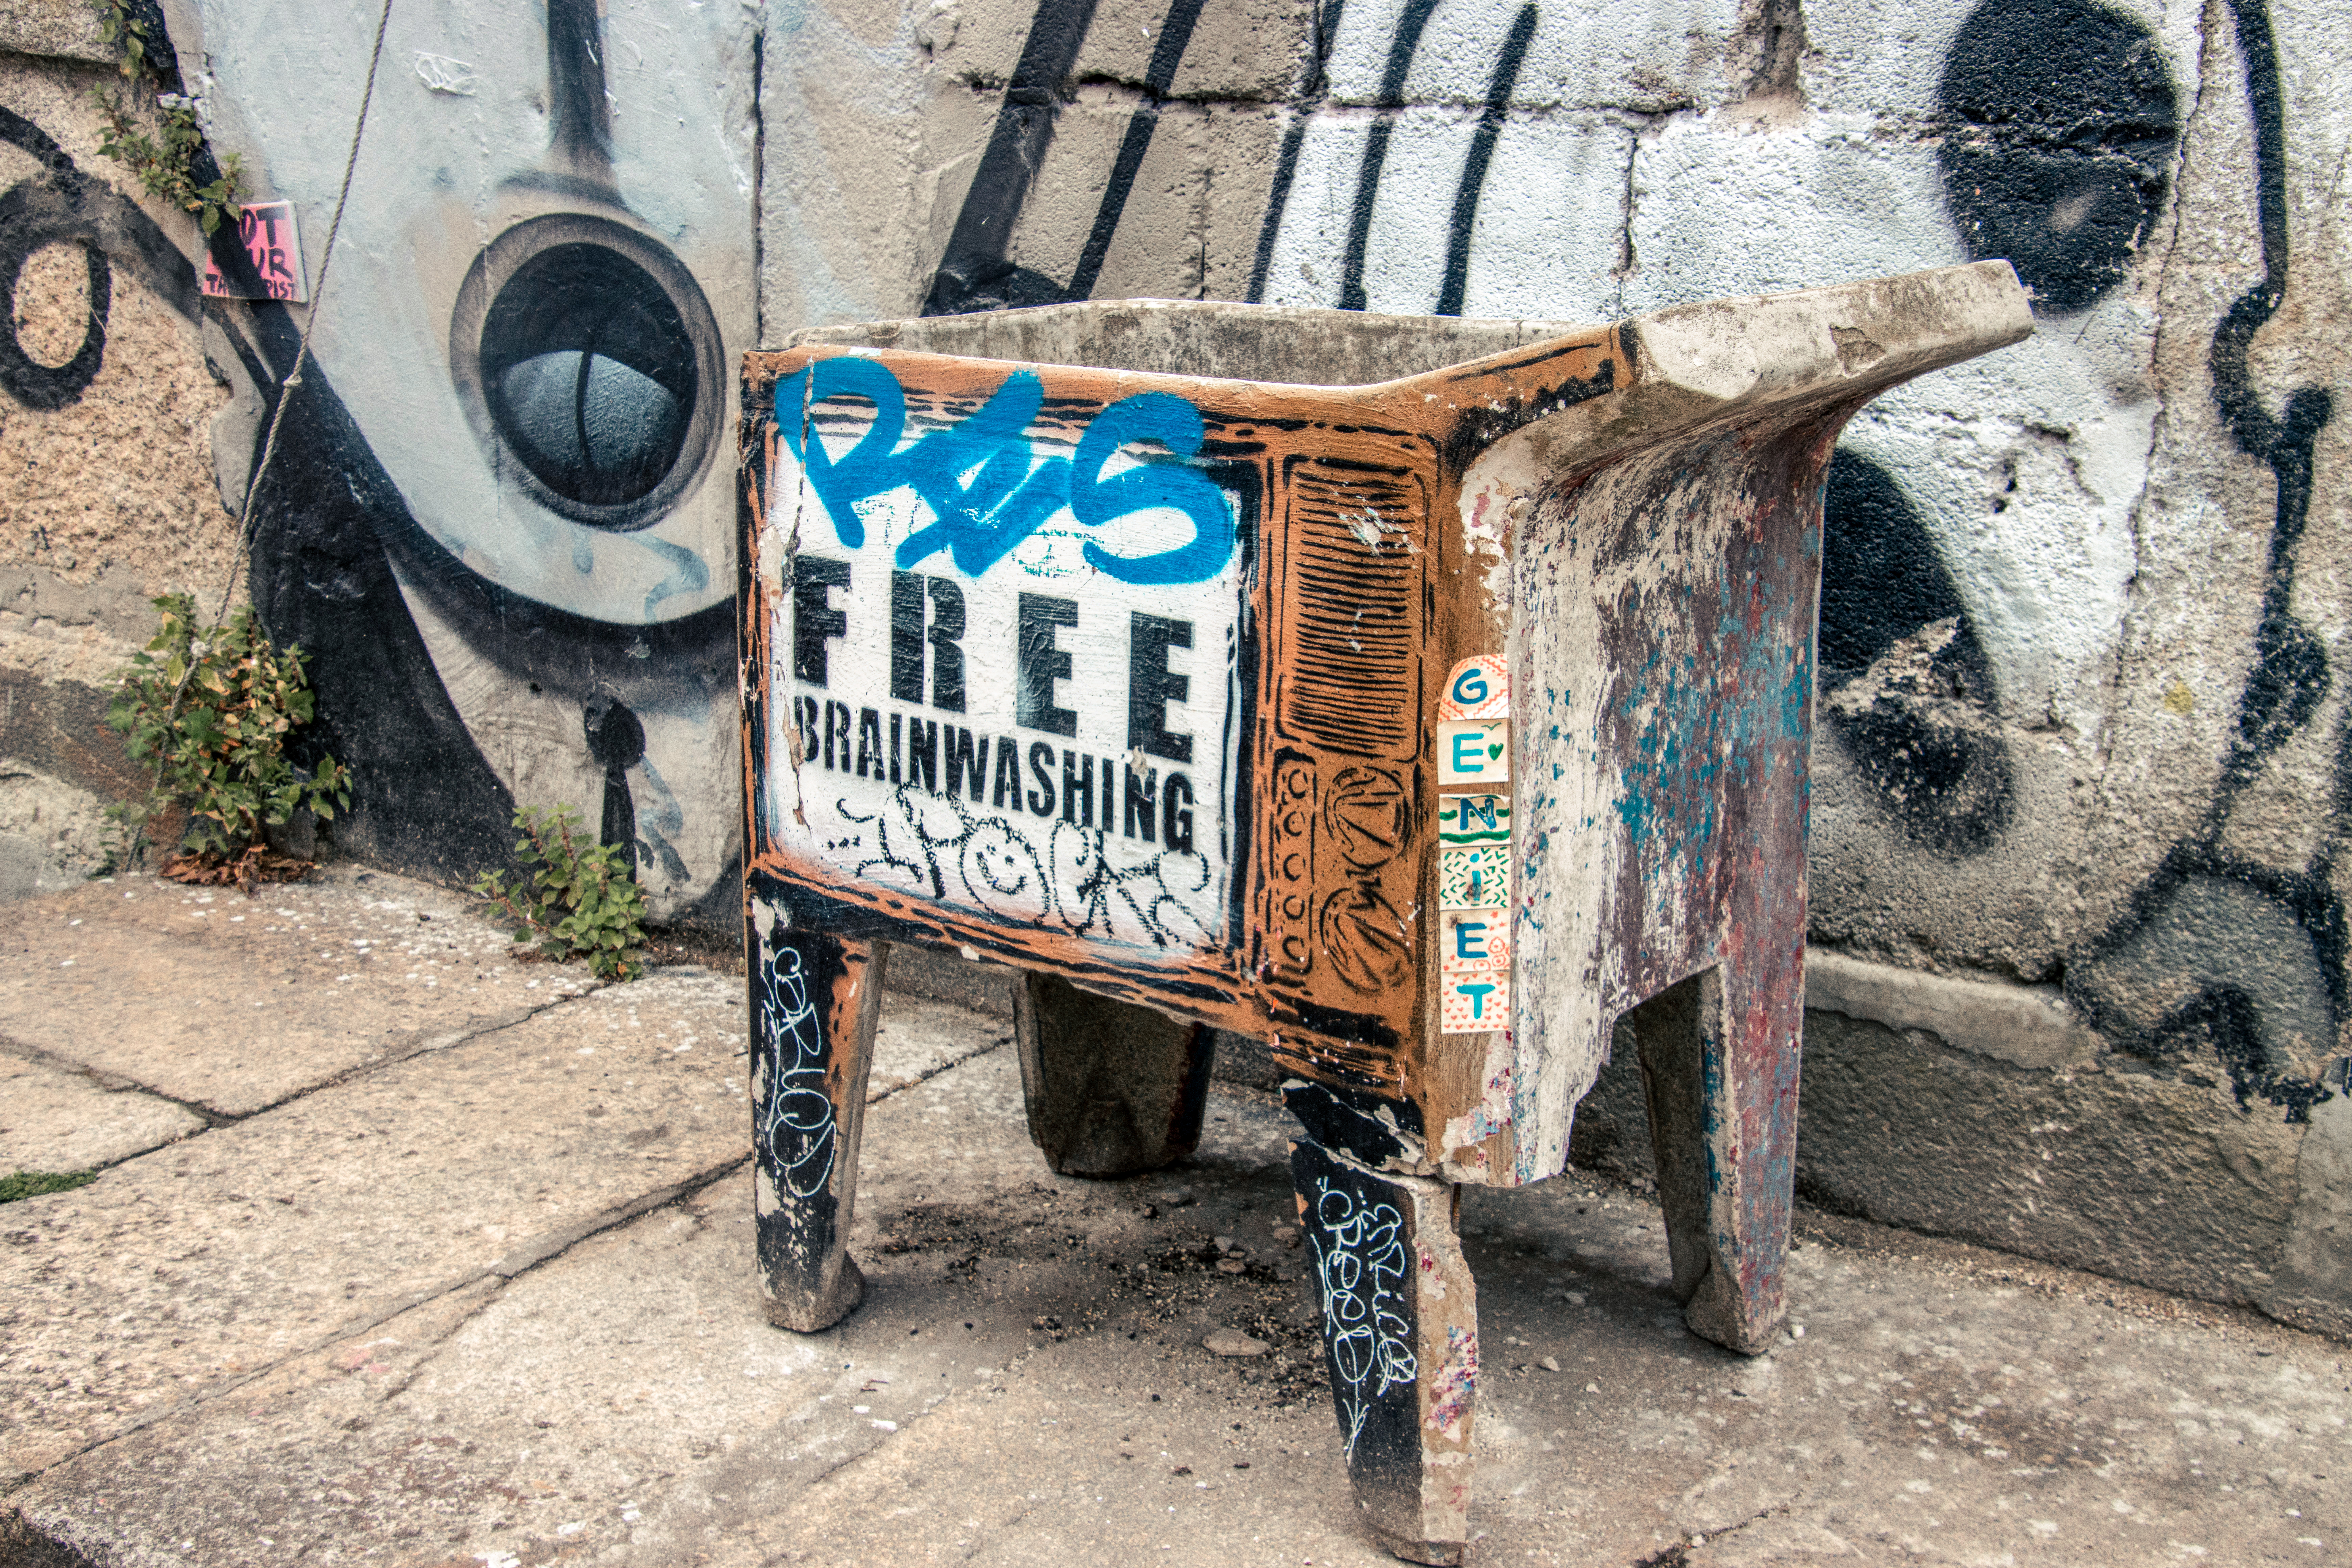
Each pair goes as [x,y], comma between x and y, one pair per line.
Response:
[1421,695]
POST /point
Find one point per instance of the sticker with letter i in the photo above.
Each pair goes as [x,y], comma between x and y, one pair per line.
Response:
[1475,878]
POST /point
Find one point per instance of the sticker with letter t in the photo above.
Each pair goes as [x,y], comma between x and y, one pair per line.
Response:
[1474,752]
[1473,971]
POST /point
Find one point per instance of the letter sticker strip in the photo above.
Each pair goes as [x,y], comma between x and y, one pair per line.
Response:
[1473,849]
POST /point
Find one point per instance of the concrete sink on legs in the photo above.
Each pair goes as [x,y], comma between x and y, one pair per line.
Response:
[1426,727]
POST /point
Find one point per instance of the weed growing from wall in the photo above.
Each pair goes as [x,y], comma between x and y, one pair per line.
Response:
[210,713]
[576,898]
[166,161]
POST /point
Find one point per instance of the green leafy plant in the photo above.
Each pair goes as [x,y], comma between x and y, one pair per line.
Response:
[210,713]
[164,161]
[575,899]
[32,1183]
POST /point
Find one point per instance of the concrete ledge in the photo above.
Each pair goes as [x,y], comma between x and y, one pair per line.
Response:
[58,30]
[2026,1025]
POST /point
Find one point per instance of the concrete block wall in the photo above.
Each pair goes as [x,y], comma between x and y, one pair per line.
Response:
[2084,765]
[106,483]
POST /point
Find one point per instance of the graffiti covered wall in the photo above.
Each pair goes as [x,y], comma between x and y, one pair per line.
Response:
[2084,739]
[106,472]
[501,512]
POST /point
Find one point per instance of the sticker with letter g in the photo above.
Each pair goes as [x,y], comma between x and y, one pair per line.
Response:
[1472,752]
[1479,687]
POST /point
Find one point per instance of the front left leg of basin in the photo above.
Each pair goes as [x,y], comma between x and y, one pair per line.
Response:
[1400,1342]
[814,1002]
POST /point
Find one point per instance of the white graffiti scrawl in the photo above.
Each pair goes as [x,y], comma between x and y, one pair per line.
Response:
[795,1129]
[1361,1264]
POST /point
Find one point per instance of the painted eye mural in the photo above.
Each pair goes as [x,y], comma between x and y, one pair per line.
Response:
[499,519]
[585,369]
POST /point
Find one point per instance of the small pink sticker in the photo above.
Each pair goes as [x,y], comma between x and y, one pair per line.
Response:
[1479,687]
[271,240]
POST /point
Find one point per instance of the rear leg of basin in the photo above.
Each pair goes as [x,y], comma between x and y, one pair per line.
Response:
[1719,1055]
[814,1001]
[1112,1088]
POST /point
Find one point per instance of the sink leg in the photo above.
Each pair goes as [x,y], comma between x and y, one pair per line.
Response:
[1719,1066]
[1400,1342]
[1112,1088]
[814,1000]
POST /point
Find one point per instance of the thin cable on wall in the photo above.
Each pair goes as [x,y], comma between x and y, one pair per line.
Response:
[293,377]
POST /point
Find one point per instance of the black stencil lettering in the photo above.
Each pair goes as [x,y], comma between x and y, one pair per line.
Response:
[813,617]
[1041,762]
[967,760]
[896,722]
[869,744]
[836,722]
[1110,792]
[1042,664]
[947,652]
[806,710]
[1077,789]
[1176,822]
[1008,774]
[906,637]
[922,751]
[1151,685]
[1142,804]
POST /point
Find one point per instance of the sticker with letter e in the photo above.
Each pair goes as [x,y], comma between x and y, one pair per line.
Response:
[1473,941]
[1473,753]
[1473,971]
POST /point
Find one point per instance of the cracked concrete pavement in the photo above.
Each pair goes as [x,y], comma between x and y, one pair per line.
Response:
[405,1252]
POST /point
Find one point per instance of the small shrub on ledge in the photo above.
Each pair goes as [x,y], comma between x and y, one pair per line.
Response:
[210,713]
[575,899]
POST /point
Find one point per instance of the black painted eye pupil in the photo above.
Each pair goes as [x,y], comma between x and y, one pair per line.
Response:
[589,374]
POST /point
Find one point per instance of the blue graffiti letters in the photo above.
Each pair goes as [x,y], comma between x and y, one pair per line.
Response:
[985,485]
[1175,424]
[869,467]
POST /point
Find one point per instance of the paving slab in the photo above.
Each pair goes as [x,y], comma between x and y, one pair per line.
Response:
[54,1118]
[234,1004]
[178,1274]
[1027,1379]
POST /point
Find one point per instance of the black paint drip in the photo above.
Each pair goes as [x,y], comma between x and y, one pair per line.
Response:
[1929,741]
[618,740]
[2281,694]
